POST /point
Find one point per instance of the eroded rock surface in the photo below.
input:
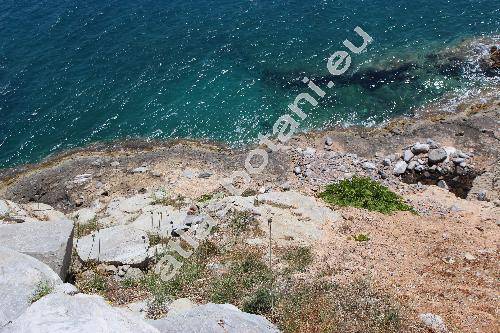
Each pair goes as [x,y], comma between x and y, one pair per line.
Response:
[215,318]
[115,245]
[20,276]
[48,241]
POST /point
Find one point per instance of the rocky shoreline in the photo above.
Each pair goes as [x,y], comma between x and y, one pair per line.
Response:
[93,221]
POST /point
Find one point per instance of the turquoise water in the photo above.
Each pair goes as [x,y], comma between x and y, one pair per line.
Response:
[75,72]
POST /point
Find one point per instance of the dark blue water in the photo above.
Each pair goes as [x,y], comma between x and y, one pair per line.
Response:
[74,72]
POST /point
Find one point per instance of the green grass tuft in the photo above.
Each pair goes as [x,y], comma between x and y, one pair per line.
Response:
[42,289]
[87,228]
[362,192]
[205,198]
[361,238]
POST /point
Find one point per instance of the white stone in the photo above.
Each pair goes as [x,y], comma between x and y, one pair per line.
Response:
[419,148]
[369,166]
[60,313]
[309,151]
[66,288]
[296,218]
[433,322]
[43,212]
[20,276]
[115,245]
[407,155]
[141,169]
[50,242]
[400,167]
[80,179]
[160,220]
[84,215]
[215,318]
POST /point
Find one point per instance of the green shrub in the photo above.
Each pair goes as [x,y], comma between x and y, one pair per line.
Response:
[361,238]
[362,192]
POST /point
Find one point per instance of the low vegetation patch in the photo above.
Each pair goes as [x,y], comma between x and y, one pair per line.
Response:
[87,228]
[363,192]
[298,258]
[43,288]
[93,283]
[319,306]
[244,223]
[205,198]
[361,238]
[164,200]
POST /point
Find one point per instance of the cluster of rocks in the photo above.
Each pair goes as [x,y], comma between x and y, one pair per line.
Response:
[490,64]
[36,245]
[320,167]
[431,163]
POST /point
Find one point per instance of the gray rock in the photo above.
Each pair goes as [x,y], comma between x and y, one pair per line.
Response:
[66,288]
[400,167]
[205,175]
[133,274]
[141,169]
[285,186]
[387,161]
[20,276]
[115,245]
[328,141]
[60,313]
[437,155]
[433,322]
[114,164]
[297,170]
[420,168]
[214,318]
[407,155]
[50,242]
[369,166]
[442,184]
[463,155]
[419,148]
[309,151]
[432,144]
[481,196]
[412,165]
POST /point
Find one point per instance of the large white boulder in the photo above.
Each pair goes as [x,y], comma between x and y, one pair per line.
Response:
[214,318]
[160,220]
[20,276]
[48,241]
[119,245]
[61,313]
[296,218]
[123,210]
